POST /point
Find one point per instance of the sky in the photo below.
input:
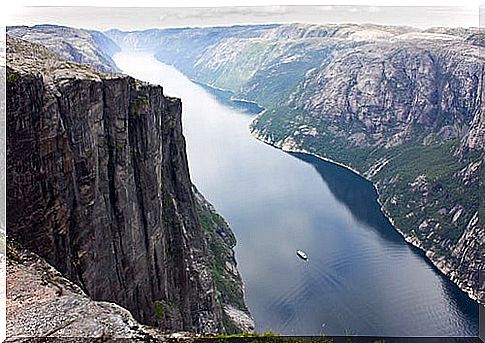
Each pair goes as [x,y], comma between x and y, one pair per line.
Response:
[129,18]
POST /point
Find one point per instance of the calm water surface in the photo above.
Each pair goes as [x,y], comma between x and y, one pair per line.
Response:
[361,277]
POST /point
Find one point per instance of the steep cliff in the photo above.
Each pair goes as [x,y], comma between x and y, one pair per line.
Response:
[401,106]
[98,185]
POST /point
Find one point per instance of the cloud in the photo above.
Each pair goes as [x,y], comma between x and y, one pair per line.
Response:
[174,13]
[373,9]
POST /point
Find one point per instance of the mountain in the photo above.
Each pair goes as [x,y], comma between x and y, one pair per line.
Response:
[186,43]
[76,45]
[98,186]
[402,107]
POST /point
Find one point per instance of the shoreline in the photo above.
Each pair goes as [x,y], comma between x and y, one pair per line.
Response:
[438,263]
[230,97]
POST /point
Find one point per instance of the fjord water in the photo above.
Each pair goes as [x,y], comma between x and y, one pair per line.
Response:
[361,277]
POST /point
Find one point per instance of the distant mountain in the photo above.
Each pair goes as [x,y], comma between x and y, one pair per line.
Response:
[187,43]
[401,106]
[76,45]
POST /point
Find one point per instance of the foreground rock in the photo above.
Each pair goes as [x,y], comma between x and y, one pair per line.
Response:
[43,303]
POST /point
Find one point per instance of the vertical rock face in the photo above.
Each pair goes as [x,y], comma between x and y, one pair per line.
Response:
[98,184]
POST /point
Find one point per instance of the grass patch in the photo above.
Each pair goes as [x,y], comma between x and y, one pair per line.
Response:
[158,310]
[12,76]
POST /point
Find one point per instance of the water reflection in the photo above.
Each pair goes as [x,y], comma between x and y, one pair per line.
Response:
[356,193]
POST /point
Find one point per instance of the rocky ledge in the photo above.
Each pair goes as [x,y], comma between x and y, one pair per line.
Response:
[41,302]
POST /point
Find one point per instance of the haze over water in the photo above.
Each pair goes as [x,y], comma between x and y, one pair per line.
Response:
[361,277]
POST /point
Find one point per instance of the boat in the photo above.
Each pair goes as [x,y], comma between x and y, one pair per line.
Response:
[301,254]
